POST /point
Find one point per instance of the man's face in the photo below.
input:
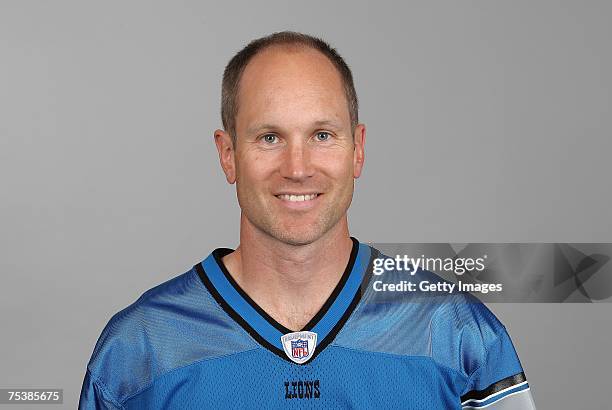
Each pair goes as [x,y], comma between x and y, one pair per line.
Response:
[295,158]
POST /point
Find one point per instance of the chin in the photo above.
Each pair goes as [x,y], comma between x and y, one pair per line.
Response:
[297,237]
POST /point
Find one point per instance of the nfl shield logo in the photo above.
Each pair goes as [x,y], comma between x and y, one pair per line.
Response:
[299,346]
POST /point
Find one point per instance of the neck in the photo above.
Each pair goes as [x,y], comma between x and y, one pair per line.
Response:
[291,283]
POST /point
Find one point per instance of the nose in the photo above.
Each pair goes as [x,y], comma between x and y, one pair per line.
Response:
[296,163]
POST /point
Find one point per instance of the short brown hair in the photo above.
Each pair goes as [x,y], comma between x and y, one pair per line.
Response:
[235,68]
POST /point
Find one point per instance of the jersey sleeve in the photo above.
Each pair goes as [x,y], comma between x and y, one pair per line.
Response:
[499,382]
[95,397]
[467,337]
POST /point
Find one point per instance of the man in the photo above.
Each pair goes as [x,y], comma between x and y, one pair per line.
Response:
[289,319]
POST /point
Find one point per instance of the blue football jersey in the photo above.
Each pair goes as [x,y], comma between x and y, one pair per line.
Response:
[199,341]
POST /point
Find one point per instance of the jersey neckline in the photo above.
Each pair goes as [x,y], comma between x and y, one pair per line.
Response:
[327,322]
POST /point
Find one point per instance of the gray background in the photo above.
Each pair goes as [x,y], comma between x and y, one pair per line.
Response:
[487,121]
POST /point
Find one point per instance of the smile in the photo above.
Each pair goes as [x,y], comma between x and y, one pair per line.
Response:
[297,198]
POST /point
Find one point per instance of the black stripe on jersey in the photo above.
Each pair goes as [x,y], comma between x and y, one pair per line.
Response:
[366,279]
[219,253]
[494,388]
[234,315]
[334,295]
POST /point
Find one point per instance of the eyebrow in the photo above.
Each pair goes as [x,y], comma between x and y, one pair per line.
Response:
[317,124]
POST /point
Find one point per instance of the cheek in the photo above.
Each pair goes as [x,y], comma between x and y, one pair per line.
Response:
[254,172]
[340,168]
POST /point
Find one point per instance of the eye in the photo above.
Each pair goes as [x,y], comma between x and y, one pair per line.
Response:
[270,139]
[322,136]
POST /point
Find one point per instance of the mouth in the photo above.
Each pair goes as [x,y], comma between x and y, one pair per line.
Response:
[297,197]
[299,202]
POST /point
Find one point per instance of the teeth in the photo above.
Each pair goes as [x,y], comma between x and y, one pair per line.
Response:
[298,198]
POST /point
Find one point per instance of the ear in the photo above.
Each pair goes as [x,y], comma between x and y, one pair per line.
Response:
[359,152]
[227,157]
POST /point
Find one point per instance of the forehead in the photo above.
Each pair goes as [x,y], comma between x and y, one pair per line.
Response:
[294,82]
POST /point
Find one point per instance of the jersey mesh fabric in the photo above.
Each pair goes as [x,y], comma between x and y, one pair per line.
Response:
[172,325]
[177,348]
[346,379]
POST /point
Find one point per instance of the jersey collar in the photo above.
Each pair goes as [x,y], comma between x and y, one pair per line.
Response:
[263,328]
